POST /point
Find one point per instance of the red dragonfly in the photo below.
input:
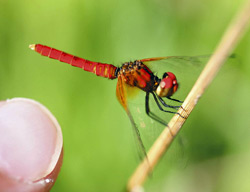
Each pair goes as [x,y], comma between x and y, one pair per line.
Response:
[135,74]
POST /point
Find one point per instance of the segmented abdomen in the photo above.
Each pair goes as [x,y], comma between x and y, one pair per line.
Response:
[100,69]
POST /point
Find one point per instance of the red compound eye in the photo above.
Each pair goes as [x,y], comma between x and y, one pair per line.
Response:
[166,83]
[171,75]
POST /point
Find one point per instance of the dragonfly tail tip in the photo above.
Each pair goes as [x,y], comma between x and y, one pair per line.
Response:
[32,46]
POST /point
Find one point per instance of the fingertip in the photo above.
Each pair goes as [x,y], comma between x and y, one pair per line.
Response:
[30,146]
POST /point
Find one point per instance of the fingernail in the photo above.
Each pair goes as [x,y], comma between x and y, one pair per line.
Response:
[30,146]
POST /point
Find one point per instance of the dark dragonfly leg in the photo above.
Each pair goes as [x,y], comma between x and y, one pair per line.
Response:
[165,104]
[160,107]
[150,114]
[175,100]
[157,102]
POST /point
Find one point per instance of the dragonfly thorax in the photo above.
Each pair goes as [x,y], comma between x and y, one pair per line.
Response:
[137,74]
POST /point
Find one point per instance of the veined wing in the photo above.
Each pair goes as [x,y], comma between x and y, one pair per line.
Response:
[145,128]
[122,89]
[185,68]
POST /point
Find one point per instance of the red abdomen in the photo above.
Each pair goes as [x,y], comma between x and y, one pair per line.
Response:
[100,69]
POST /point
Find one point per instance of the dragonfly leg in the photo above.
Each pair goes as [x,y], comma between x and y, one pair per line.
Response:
[152,115]
[160,107]
[175,100]
[165,104]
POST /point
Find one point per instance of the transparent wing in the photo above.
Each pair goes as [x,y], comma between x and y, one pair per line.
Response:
[122,89]
[185,68]
[146,130]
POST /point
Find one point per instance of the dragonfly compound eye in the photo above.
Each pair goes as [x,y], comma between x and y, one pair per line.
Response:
[168,85]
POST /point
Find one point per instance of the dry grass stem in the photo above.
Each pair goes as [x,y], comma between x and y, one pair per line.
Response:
[229,41]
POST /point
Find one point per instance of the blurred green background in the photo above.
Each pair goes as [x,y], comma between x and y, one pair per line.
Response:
[99,147]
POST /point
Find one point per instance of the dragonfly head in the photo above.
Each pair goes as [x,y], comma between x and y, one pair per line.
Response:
[168,85]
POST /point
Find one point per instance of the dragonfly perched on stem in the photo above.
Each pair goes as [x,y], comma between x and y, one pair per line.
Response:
[135,75]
